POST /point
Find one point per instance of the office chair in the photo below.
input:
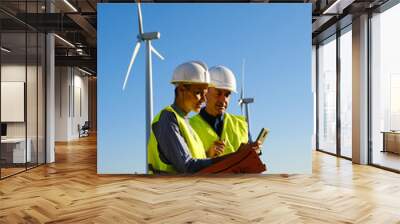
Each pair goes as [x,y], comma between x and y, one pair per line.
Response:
[84,130]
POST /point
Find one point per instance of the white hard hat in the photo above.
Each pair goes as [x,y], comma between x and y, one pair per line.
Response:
[222,78]
[192,72]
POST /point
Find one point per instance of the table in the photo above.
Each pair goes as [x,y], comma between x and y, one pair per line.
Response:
[13,150]
[391,141]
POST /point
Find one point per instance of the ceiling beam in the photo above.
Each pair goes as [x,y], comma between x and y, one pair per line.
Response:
[82,61]
[86,26]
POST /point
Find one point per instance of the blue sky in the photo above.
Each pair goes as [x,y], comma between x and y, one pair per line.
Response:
[275,41]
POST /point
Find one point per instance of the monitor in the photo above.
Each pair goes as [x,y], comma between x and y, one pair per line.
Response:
[3,129]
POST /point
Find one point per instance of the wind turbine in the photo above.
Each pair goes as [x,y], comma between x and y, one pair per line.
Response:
[245,101]
[146,38]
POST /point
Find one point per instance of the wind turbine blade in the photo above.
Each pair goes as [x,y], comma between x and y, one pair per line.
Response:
[156,52]
[140,18]
[135,51]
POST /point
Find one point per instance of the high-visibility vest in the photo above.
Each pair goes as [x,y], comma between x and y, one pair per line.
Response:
[234,132]
[192,140]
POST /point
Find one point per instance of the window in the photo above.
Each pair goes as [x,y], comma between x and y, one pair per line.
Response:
[385,88]
[327,95]
[346,92]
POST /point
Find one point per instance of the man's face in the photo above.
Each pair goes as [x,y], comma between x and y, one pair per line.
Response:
[195,96]
[217,101]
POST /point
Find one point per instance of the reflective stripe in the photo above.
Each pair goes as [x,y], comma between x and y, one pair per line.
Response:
[234,132]
[193,142]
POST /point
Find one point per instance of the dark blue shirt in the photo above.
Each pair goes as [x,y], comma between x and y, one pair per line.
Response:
[216,123]
[172,146]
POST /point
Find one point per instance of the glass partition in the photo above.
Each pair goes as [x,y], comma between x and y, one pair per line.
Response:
[22,77]
[14,154]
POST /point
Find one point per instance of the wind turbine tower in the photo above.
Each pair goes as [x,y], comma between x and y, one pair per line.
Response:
[146,38]
[245,101]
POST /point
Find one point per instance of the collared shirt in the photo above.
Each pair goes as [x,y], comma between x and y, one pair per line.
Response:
[172,146]
[217,123]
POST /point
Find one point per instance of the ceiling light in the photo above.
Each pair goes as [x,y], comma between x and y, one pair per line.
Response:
[5,50]
[84,71]
[80,51]
[70,5]
[338,6]
[65,41]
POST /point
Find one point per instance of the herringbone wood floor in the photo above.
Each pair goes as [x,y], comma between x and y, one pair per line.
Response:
[70,191]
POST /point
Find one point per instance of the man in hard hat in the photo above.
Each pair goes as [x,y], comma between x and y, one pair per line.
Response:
[221,133]
[174,147]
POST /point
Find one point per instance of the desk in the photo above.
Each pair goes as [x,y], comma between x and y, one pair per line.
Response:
[15,148]
[391,141]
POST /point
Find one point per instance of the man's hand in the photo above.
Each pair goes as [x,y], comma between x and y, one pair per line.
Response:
[256,146]
[216,149]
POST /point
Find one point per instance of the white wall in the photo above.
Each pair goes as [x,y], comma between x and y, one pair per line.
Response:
[13,73]
[70,94]
[62,81]
[13,101]
[80,108]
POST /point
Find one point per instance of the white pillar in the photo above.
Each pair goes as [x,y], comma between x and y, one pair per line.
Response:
[50,98]
[314,92]
[50,109]
[360,90]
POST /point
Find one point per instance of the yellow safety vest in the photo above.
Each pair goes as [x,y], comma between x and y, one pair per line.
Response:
[192,140]
[234,132]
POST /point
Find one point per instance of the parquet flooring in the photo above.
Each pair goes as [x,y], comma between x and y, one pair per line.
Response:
[10,171]
[70,191]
